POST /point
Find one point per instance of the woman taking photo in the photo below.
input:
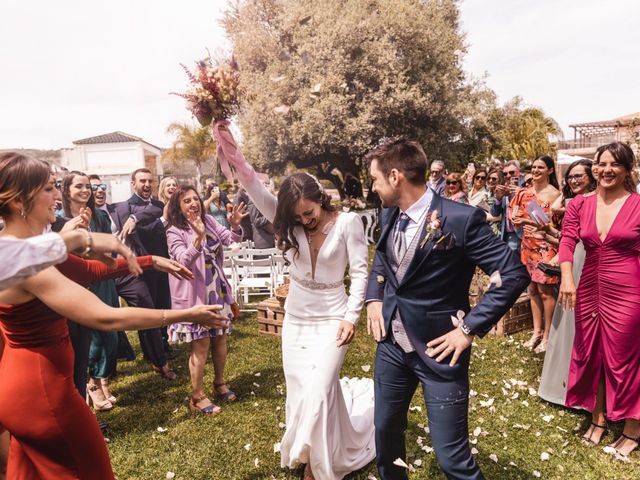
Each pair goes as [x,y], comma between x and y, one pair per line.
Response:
[214,205]
[578,180]
[196,240]
[456,189]
[605,362]
[494,178]
[535,248]
[329,422]
[53,432]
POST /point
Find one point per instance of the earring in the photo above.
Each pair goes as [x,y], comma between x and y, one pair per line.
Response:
[22,212]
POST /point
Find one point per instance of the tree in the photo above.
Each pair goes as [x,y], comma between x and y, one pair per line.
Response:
[191,143]
[526,132]
[324,80]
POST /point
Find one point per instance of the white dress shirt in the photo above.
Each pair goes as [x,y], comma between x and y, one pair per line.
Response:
[415,213]
[26,257]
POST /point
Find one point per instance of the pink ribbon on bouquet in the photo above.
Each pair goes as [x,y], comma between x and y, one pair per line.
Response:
[229,155]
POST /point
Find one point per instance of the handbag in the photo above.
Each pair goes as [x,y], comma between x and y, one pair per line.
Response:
[549,270]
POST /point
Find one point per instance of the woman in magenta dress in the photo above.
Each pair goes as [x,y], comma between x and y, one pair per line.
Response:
[605,362]
[53,432]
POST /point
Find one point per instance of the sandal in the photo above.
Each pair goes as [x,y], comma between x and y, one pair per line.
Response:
[209,409]
[166,372]
[588,440]
[228,396]
[541,348]
[532,342]
[618,455]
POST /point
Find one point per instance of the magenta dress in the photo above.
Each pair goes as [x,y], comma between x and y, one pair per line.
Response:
[607,308]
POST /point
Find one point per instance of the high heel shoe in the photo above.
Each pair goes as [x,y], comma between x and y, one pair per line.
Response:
[618,455]
[588,439]
[95,397]
[104,384]
[533,341]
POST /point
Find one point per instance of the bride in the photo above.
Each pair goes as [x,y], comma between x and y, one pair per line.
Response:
[329,424]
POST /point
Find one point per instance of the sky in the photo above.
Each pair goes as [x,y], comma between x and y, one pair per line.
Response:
[75,69]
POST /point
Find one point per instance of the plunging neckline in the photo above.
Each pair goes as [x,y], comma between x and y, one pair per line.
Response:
[613,223]
[313,263]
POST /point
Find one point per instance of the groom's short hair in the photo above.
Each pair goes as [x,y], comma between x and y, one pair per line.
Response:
[406,156]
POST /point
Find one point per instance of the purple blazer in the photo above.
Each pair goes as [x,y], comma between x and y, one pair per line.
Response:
[187,293]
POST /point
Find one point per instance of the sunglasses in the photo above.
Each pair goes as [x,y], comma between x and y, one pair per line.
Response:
[511,172]
[480,177]
[95,187]
[493,179]
[453,182]
[436,172]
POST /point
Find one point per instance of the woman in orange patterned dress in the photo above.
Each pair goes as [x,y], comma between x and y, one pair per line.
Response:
[536,249]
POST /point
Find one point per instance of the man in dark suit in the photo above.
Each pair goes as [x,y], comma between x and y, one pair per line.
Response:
[141,224]
[417,294]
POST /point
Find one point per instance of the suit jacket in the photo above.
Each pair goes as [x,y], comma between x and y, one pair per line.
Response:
[149,237]
[436,284]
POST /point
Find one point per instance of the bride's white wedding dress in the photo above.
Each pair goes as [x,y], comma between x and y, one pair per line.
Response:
[329,421]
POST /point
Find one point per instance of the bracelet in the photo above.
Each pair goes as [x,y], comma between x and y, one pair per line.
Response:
[84,252]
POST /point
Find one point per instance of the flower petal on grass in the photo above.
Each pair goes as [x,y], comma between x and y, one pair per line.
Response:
[247,447]
[544,456]
[365,368]
[283,109]
[162,429]
[494,457]
[276,447]
[170,475]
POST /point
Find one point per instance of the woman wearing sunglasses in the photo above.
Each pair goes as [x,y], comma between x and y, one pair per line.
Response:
[479,194]
[456,189]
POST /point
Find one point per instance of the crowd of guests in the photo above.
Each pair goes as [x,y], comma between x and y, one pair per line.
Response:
[580,244]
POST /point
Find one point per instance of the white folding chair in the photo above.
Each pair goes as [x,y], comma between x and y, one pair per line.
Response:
[252,277]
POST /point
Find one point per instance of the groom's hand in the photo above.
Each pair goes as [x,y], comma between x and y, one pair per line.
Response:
[375,320]
[456,342]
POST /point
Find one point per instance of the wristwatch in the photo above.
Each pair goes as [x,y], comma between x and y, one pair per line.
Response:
[465,329]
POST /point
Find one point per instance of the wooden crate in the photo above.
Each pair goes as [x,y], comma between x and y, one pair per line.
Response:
[270,317]
[517,319]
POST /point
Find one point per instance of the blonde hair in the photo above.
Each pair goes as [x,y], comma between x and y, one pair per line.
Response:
[21,178]
[456,177]
[163,185]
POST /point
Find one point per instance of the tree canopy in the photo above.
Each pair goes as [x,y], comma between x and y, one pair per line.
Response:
[324,80]
[191,143]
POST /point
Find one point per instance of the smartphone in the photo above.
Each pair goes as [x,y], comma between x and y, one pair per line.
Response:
[514,181]
[216,189]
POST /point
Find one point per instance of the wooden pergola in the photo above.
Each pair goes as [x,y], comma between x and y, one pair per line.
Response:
[591,133]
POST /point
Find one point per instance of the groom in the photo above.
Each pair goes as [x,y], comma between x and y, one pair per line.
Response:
[428,250]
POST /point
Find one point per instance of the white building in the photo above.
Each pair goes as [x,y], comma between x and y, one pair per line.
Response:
[113,156]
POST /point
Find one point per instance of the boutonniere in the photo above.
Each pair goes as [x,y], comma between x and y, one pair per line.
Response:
[380,279]
[432,228]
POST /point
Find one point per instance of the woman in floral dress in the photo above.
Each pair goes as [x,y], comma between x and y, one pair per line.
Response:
[197,239]
[536,249]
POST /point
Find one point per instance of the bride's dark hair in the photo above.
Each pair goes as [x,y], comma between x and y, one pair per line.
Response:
[293,189]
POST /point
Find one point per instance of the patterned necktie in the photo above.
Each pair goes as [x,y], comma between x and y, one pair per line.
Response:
[399,241]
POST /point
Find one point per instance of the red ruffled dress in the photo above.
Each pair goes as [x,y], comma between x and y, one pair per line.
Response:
[53,432]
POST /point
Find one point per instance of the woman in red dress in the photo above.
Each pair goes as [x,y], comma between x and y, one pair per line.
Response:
[605,362]
[53,432]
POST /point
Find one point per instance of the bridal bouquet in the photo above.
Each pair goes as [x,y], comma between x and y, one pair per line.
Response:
[213,91]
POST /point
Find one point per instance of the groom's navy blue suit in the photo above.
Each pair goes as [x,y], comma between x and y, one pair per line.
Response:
[435,287]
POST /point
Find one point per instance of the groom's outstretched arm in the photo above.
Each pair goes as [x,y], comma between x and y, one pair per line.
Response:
[486,250]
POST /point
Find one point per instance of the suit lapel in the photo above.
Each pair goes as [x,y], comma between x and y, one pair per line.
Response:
[423,251]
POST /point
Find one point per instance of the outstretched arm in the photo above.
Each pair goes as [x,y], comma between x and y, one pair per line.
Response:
[569,240]
[65,297]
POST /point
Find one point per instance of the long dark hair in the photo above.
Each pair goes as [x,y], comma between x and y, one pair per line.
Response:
[548,161]
[66,200]
[566,189]
[294,188]
[175,214]
[623,155]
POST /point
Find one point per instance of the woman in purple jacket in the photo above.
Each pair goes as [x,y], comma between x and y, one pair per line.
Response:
[195,239]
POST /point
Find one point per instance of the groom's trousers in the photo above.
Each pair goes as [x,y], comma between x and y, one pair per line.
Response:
[396,378]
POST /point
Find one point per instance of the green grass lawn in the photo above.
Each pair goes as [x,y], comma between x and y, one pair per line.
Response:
[512,433]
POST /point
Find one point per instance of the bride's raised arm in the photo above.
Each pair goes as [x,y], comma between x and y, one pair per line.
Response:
[228,150]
